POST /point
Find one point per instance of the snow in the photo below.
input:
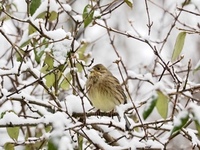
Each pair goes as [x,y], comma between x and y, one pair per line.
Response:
[136,144]
[96,14]
[74,104]
[59,126]
[104,121]
[8,71]
[78,18]
[65,143]
[24,38]
[194,109]
[57,34]
[120,110]
[21,91]
[154,144]
[67,7]
[52,5]
[60,50]
[181,115]
[10,118]
[99,141]
[195,140]
[146,76]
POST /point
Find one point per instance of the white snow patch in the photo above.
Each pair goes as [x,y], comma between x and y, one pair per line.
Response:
[67,7]
[74,104]
[50,4]
[181,115]
[78,18]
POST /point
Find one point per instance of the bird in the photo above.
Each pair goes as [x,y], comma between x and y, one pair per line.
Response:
[104,90]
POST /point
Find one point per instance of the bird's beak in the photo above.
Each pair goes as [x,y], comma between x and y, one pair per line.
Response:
[91,70]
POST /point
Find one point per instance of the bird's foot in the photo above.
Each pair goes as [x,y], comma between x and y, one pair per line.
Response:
[98,113]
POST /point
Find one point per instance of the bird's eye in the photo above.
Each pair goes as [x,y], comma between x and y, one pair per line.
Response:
[98,68]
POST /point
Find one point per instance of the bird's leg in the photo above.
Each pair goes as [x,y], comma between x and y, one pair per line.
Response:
[111,113]
[98,113]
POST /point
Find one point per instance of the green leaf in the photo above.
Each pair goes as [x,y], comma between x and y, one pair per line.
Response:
[19,56]
[186,2]
[195,117]
[50,80]
[38,56]
[42,15]
[162,104]
[149,107]
[25,43]
[80,142]
[53,16]
[39,51]
[65,81]
[31,29]
[48,128]
[197,67]
[65,84]
[2,114]
[81,51]
[180,40]
[87,15]
[49,61]
[51,145]
[180,122]
[13,132]
[129,3]
[8,146]
[44,69]
[34,5]
[197,126]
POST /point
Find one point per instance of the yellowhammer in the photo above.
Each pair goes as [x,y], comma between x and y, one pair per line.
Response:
[104,90]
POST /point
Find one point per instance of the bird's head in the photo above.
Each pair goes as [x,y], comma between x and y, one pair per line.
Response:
[99,70]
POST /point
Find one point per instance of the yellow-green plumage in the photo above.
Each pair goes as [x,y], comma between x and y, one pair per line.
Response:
[104,90]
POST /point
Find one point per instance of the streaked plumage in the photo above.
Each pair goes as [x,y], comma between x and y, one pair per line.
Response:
[104,90]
